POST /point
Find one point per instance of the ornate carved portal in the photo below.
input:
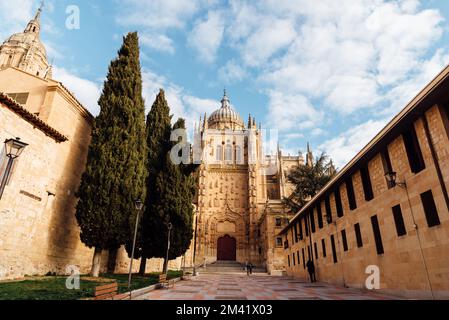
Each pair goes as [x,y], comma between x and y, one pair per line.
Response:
[226,248]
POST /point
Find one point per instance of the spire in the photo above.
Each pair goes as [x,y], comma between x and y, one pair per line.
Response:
[309,156]
[250,121]
[34,25]
[225,103]
[205,127]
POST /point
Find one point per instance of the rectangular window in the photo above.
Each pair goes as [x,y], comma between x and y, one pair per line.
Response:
[278,222]
[323,247]
[377,235]
[414,154]
[312,221]
[300,229]
[344,240]
[366,183]
[298,257]
[306,225]
[430,209]
[295,228]
[316,250]
[293,259]
[327,205]
[309,251]
[278,242]
[288,257]
[386,163]
[351,194]
[21,98]
[303,258]
[445,116]
[334,251]
[358,235]
[320,216]
[338,203]
[399,220]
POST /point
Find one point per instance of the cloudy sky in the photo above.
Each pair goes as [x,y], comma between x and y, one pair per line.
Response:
[329,72]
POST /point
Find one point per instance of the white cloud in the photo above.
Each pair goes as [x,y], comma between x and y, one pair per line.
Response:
[207,35]
[232,72]
[14,16]
[346,145]
[159,42]
[87,92]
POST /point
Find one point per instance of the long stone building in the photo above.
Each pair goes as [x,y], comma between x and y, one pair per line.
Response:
[387,210]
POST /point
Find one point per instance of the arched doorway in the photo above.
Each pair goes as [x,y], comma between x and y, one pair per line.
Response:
[226,248]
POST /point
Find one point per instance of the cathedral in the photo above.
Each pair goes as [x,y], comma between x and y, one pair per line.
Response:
[240,192]
[239,209]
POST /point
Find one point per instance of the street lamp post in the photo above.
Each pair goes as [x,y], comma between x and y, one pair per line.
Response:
[169,227]
[139,206]
[13,148]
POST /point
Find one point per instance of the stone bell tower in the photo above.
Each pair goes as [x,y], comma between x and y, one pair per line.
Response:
[25,50]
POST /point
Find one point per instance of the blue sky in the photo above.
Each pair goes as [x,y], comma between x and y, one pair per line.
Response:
[329,72]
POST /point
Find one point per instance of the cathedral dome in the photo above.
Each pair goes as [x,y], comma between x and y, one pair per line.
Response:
[28,40]
[225,117]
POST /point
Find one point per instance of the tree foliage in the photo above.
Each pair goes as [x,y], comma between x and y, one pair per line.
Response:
[308,181]
[116,166]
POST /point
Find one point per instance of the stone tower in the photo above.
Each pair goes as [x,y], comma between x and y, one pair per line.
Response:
[231,188]
[25,50]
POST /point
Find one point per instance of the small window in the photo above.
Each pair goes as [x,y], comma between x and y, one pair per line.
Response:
[430,209]
[278,222]
[414,154]
[288,258]
[320,216]
[327,204]
[298,257]
[377,235]
[399,220]
[303,258]
[278,242]
[338,203]
[238,155]
[366,183]
[344,240]
[309,251]
[312,221]
[358,235]
[386,163]
[351,194]
[219,155]
[301,236]
[295,229]
[323,247]
[21,98]
[316,250]
[306,225]
[228,153]
[445,117]
[334,251]
[293,259]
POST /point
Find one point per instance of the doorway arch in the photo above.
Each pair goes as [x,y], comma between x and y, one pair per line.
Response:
[226,248]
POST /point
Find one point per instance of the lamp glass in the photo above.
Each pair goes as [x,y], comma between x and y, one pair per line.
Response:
[139,204]
[14,148]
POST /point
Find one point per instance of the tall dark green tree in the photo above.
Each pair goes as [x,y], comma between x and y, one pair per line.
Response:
[308,181]
[116,166]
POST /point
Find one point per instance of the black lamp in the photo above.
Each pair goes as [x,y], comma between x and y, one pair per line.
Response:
[14,148]
[391,180]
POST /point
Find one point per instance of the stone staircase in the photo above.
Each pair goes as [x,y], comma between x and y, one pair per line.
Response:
[226,267]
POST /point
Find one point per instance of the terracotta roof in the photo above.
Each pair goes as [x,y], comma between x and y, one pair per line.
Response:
[20,110]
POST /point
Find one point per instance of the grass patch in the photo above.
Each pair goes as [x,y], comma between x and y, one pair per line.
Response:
[53,288]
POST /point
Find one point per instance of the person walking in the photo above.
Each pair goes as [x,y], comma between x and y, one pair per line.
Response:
[247,268]
[311,269]
[251,268]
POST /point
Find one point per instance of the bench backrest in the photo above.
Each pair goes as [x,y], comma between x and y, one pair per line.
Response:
[107,291]
[162,277]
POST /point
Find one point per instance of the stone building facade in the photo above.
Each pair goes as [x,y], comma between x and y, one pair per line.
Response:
[240,191]
[363,222]
[38,229]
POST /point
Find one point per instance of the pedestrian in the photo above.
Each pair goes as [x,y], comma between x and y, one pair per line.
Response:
[251,266]
[247,268]
[311,269]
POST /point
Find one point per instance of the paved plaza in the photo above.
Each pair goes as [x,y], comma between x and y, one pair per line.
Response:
[256,287]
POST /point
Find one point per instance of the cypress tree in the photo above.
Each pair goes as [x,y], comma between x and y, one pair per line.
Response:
[116,166]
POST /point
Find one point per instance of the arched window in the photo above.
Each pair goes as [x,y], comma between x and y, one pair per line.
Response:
[228,153]
[238,155]
[218,156]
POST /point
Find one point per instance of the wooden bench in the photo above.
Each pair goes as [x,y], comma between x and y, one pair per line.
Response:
[109,292]
[166,283]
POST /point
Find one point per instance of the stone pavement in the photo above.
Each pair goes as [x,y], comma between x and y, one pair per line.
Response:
[256,287]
